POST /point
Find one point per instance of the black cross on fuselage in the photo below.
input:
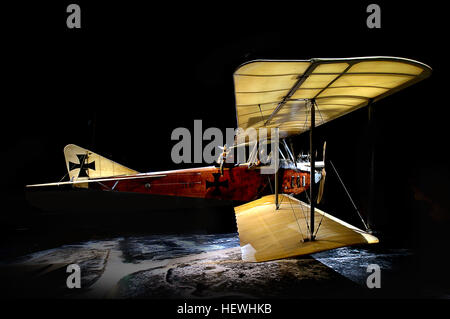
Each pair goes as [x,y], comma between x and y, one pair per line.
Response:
[216,184]
[82,165]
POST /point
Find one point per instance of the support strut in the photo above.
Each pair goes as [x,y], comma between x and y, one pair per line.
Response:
[276,189]
[313,164]
[371,144]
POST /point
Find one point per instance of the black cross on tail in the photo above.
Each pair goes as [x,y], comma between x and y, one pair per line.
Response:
[216,184]
[82,165]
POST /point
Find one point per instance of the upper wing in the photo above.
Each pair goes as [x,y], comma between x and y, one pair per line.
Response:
[266,233]
[272,93]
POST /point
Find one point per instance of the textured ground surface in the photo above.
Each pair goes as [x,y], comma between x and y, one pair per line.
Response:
[194,267]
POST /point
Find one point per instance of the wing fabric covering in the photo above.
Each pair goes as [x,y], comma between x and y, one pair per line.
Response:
[273,93]
[267,234]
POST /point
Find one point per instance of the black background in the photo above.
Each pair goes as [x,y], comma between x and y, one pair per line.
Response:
[135,71]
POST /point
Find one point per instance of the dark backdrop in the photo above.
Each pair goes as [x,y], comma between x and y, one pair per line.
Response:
[134,72]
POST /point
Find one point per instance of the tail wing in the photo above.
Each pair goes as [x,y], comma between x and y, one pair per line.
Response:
[84,164]
[266,233]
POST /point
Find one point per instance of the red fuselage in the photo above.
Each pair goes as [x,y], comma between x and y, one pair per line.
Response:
[239,184]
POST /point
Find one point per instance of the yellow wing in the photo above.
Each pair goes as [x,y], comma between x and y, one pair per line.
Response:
[266,233]
[272,93]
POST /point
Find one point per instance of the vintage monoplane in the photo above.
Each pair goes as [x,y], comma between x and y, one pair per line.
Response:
[294,97]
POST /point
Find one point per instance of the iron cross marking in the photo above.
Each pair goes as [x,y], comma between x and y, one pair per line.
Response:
[82,165]
[216,184]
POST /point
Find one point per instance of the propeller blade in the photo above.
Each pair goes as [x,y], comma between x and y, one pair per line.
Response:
[321,186]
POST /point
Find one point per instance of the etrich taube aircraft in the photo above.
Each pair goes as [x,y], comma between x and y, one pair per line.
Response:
[293,96]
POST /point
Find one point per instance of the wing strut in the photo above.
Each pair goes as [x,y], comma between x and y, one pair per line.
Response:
[313,164]
[277,205]
[371,137]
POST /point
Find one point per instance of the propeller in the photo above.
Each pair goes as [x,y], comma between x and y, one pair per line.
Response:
[322,179]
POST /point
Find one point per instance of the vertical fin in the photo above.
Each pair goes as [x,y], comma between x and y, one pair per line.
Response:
[84,164]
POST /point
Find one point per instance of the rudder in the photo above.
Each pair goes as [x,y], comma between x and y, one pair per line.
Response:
[84,164]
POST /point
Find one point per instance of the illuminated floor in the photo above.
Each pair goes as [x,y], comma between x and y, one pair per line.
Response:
[204,266]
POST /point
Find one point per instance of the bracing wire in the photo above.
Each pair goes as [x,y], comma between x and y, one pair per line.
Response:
[279,204]
[318,226]
[295,215]
[320,113]
[262,117]
[306,117]
[348,194]
[63,177]
[270,184]
[307,197]
[304,216]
